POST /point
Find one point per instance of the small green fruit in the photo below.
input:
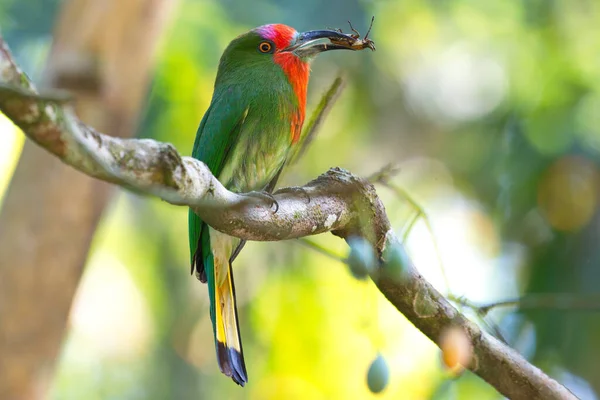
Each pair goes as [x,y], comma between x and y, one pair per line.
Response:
[397,263]
[361,259]
[378,375]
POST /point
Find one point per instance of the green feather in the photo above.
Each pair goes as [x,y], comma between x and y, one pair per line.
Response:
[213,143]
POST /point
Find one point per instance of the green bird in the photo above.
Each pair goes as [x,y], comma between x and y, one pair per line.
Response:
[245,137]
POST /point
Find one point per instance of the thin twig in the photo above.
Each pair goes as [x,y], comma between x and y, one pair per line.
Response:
[384,174]
[55,96]
[401,193]
[320,249]
[490,325]
[548,301]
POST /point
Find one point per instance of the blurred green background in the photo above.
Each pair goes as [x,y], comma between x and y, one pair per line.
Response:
[491,109]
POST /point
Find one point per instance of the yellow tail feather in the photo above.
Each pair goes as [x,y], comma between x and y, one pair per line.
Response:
[229,346]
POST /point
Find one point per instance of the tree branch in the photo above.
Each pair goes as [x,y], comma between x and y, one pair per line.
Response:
[340,202]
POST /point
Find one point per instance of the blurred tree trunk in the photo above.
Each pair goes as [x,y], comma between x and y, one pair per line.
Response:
[103,52]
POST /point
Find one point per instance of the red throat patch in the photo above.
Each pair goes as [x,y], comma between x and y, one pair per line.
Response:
[296,70]
[298,73]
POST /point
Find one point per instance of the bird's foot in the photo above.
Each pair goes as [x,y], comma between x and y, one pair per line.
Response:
[294,189]
[264,196]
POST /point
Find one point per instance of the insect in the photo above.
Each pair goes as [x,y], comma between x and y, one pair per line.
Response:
[353,40]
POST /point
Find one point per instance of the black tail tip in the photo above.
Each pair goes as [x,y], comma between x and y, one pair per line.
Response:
[239,376]
[231,363]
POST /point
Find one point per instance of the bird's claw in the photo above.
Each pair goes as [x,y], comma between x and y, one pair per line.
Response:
[265,196]
[294,189]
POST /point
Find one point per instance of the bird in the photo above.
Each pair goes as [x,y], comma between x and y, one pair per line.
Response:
[252,124]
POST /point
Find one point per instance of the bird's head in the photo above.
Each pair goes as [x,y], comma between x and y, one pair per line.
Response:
[278,44]
[282,39]
[274,40]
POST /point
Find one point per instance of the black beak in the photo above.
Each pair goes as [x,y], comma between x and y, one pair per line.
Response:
[309,44]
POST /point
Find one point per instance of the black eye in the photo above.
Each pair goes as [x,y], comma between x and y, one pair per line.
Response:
[265,47]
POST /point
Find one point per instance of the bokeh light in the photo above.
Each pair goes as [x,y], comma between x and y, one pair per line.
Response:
[568,193]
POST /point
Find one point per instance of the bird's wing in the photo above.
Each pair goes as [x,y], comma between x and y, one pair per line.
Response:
[216,137]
